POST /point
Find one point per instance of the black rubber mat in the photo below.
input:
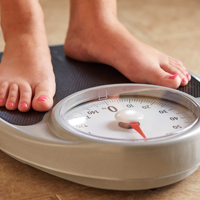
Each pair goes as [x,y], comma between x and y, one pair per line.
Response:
[73,76]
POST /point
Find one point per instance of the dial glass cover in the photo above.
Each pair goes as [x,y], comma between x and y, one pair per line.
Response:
[130,117]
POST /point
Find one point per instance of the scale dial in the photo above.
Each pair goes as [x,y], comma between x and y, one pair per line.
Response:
[112,118]
[127,113]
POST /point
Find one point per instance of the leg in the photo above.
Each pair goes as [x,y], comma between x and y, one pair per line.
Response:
[26,77]
[96,35]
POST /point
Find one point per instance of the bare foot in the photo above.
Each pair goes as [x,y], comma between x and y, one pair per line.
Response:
[27,78]
[26,73]
[109,42]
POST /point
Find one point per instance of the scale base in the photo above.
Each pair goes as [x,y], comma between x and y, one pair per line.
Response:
[123,184]
[31,141]
[126,185]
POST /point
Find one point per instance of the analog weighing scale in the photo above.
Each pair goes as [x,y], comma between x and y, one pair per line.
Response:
[106,132]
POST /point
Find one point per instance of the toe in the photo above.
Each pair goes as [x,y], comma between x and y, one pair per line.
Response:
[188,76]
[169,80]
[13,96]
[3,93]
[160,77]
[174,66]
[25,97]
[43,97]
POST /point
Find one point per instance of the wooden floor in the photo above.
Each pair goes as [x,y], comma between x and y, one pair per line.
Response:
[171,26]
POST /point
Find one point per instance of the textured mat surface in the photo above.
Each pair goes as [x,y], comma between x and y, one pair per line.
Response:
[73,76]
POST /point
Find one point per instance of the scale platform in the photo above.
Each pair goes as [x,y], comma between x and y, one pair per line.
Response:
[73,76]
[24,135]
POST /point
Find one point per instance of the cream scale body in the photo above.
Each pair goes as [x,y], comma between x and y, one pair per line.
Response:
[122,136]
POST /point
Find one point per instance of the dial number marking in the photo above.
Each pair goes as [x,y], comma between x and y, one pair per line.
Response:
[130,118]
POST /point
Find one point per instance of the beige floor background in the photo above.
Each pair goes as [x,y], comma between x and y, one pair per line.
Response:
[171,26]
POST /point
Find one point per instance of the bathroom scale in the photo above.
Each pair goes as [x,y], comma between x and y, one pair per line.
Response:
[107,132]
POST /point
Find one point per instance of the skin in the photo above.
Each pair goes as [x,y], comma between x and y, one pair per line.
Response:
[94,35]
[26,69]
[109,42]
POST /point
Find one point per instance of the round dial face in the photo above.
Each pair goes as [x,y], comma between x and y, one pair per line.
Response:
[129,118]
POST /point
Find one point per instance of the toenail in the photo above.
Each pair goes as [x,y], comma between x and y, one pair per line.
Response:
[11,104]
[188,75]
[41,98]
[184,80]
[173,76]
[24,105]
[1,100]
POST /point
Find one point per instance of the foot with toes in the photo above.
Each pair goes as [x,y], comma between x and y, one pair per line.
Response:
[94,35]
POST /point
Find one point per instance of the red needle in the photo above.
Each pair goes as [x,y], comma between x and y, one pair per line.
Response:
[136,126]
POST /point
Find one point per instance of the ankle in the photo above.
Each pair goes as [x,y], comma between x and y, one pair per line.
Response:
[29,48]
[84,39]
[81,10]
